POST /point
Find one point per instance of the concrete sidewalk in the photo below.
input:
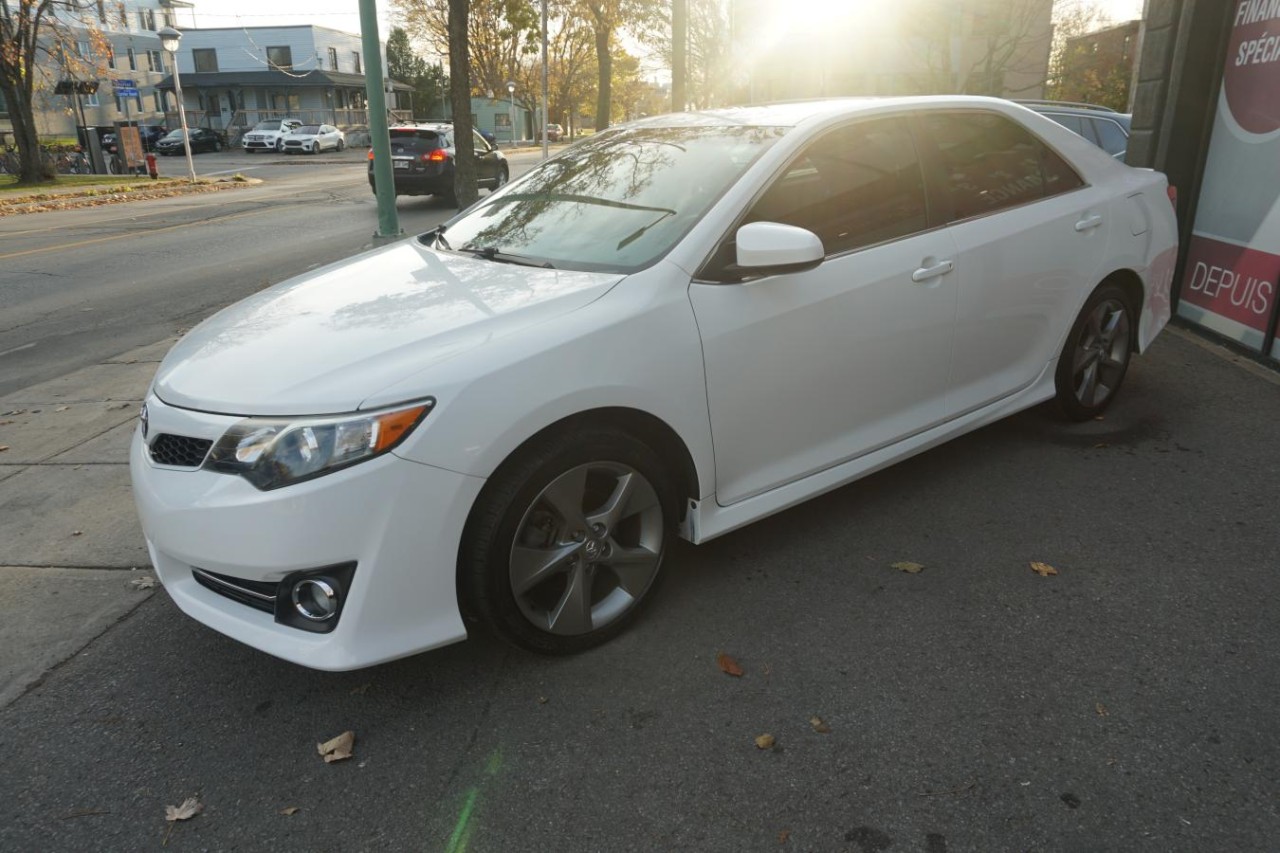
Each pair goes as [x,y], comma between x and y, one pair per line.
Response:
[72,558]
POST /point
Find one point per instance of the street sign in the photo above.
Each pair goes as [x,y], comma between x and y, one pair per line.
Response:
[125,88]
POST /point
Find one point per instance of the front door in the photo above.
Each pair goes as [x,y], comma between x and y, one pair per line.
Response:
[809,369]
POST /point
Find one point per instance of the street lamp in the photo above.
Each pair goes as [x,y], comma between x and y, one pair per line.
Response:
[169,38]
[511,88]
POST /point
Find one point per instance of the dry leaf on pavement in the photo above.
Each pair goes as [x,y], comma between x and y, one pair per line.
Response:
[190,808]
[764,742]
[908,567]
[1102,710]
[292,810]
[338,748]
[783,836]
[819,726]
[143,583]
[728,665]
[1043,569]
[77,533]
[3,448]
[62,408]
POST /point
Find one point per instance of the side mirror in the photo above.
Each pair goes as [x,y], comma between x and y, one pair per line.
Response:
[769,248]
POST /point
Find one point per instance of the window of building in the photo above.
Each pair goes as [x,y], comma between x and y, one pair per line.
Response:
[156,103]
[854,187]
[355,57]
[147,19]
[280,57]
[91,100]
[205,59]
[133,60]
[333,59]
[111,57]
[992,163]
[83,49]
[154,61]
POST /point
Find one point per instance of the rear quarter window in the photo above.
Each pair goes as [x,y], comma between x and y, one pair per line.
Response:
[989,163]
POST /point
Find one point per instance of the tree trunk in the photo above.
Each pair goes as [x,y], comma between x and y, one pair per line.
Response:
[605,61]
[31,166]
[464,151]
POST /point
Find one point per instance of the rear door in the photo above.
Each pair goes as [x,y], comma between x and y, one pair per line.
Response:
[486,160]
[1029,242]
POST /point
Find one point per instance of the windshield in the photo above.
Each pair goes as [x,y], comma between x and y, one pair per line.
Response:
[174,134]
[614,203]
[267,125]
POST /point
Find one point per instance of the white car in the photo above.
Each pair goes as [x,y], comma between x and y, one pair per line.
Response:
[268,135]
[676,327]
[314,138]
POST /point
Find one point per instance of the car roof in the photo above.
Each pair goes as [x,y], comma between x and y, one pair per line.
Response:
[795,113]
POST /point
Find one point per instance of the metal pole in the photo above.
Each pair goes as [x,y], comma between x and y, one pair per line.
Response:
[545,99]
[182,118]
[513,118]
[383,176]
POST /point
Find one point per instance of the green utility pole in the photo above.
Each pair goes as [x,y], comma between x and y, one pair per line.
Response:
[383,178]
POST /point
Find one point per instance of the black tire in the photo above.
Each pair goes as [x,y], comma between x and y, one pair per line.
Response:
[217,146]
[279,145]
[342,144]
[504,175]
[513,498]
[1096,355]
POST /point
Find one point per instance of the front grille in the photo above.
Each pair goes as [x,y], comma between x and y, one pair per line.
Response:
[180,451]
[257,594]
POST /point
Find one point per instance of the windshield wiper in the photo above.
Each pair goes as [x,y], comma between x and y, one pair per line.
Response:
[640,232]
[492,253]
[579,199]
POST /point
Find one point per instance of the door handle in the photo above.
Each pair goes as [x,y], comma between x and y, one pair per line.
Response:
[926,273]
[1089,222]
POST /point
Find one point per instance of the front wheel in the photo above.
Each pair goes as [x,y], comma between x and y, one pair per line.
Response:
[565,543]
[1096,356]
[342,143]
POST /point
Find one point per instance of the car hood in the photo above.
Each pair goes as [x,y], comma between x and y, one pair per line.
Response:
[326,341]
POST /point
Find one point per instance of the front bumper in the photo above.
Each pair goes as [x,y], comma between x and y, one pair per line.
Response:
[400,522]
[260,145]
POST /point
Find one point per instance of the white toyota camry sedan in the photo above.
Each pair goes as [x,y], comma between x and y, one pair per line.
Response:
[674,328]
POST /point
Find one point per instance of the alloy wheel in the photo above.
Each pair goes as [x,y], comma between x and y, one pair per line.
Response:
[1101,353]
[587,548]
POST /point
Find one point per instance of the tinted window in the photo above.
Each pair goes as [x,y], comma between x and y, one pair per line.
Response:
[853,187]
[429,137]
[990,162]
[1110,136]
[1075,124]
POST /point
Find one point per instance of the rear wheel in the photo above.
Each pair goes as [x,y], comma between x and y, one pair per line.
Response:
[566,541]
[500,181]
[1096,356]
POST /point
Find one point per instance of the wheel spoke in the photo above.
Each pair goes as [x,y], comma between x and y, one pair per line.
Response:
[532,566]
[572,614]
[1112,324]
[565,495]
[1088,384]
[634,568]
[1084,358]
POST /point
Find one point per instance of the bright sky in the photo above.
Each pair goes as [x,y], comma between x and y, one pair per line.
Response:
[344,14]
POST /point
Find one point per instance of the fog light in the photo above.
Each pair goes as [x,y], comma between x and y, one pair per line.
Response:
[315,599]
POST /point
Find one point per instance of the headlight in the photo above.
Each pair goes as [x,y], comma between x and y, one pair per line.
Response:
[275,452]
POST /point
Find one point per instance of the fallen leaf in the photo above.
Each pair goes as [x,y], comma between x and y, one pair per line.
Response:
[3,448]
[728,665]
[819,726]
[338,748]
[1102,710]
[143,583]
[5,423]
[362,689]
[909,567]
[292,810]
[783,836]
[1043,569]
[1099,418]
[764,742]
[62,408]
[77,533]
[542,700]
[190,808]
[1101,445]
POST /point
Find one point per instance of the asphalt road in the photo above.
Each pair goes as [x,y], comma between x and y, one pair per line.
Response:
[80,285]
[1127,703]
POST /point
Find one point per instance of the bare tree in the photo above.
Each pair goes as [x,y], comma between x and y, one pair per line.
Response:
[977,48]
[32,30]
[464,161]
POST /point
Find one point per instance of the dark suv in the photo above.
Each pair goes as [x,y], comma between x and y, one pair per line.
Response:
[422,158]
[1103,126]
